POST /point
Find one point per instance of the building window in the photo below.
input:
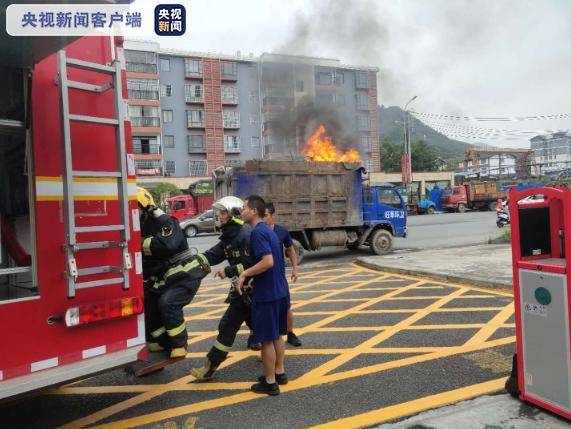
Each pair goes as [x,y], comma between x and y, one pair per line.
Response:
[170,168]
[325,78]
[325,98]
[339,100]
[168,141]
[195,118]
[362,80]
[232,143]
[146,145]
[197,168]
[166,90]
[140,62]
[143,89]
[253,119]
[255,142]
[165,65]
[363,123]
[232,163]
[144,116]
[299,86]
[167,116]
[229,94]
[231,119]
[362,101]
[339,78]
[193,93]
[146,167]
[195,143]
[229,70]
[366,143]
[252,97]
[192,67]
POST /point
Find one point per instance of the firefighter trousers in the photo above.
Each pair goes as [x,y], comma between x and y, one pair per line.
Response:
[237,313]
[164,314]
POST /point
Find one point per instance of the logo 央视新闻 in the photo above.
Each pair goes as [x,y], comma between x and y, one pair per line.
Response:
[170,20]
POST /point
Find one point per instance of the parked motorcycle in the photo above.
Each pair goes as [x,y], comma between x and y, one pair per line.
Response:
[502,218]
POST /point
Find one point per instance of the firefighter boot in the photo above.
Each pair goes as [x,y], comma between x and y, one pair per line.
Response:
[205,372]
[155,347]
[178,352]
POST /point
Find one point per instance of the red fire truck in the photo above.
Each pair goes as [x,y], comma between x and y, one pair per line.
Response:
[71,295]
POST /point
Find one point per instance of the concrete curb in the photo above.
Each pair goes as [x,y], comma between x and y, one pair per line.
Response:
[473,281]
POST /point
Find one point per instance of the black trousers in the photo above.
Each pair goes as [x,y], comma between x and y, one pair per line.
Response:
[164,313]
[236,314]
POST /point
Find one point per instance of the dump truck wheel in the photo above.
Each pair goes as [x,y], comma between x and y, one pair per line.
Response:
[381,242]
[493,206]
[461,208]
[430,210]
[299,250]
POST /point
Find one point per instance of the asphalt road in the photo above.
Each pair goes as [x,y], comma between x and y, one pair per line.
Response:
[375,347]
[425,232]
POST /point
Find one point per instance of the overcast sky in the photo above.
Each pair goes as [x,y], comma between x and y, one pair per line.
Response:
[462,57]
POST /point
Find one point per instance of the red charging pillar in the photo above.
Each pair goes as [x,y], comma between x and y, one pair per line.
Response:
[541,248]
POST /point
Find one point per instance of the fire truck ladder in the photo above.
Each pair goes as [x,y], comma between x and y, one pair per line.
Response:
[72,231]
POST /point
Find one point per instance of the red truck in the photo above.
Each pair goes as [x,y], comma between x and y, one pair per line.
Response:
[481,196]
[186,206]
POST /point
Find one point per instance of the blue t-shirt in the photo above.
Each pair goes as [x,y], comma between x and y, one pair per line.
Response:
[271,285]
[283,235]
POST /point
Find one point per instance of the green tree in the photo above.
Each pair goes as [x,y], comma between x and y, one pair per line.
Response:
[423,157]
[164,190]
[391,153]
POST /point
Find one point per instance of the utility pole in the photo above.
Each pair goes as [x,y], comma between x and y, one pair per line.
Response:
[406,165]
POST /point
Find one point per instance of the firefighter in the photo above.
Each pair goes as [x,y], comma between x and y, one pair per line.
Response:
[171,277]
[234,246]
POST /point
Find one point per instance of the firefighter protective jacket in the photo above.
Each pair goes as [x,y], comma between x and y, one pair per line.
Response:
[166,256]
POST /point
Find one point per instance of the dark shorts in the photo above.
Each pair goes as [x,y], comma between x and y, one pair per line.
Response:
[269,319]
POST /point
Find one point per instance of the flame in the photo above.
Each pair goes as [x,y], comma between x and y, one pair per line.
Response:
[320,148]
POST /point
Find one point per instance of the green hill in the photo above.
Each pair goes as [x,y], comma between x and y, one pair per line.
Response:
[391,130]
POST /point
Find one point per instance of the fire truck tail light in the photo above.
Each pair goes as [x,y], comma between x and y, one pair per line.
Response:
[90,313]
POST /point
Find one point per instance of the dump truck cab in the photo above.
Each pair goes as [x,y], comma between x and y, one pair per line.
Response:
[383,206]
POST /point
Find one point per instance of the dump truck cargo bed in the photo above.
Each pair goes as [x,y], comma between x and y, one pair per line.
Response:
[306,195]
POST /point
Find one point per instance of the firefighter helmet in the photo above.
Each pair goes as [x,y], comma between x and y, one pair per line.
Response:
[232,205]
[144,197]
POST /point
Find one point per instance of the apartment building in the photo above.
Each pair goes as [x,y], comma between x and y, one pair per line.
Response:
[192,112]
[551,152]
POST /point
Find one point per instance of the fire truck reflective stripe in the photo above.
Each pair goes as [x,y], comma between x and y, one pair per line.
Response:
[140,338]
[158,332]
[136,220]
[84,189]
[1,375]
[222,347]
[44,364]
[138,263]
[175,331]
[96,351]
[147,246]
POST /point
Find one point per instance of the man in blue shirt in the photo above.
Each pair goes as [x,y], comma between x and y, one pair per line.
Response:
[270,300]
[287,244]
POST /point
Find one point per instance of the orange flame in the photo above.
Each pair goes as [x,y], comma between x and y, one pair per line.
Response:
[320,148]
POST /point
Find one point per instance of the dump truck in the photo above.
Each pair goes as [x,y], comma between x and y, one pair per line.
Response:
[321,203]
[480,196]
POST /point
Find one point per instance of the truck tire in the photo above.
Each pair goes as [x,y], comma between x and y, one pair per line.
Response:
[493,206]
[381,242]
[190,231]
[461,208]
[430,210]
[299,250]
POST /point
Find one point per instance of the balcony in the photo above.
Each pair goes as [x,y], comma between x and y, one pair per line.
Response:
[141,68]
[141,148]
[134,94]
[233,147]
[232,123]
[195,124]
[194,99]
[148,168]
[150,122]
[230,100]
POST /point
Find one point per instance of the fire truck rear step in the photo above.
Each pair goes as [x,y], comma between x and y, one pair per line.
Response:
[72,230]
[96,283]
